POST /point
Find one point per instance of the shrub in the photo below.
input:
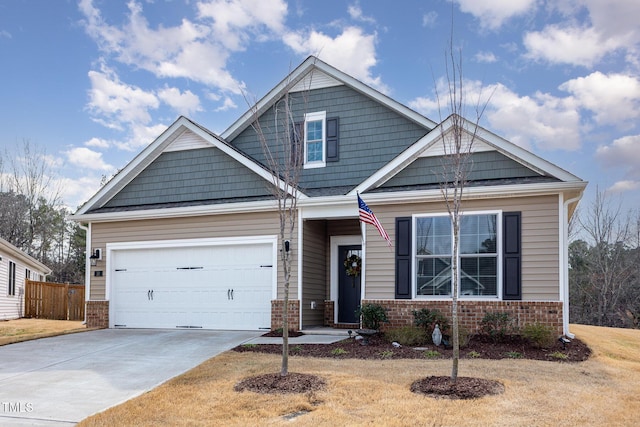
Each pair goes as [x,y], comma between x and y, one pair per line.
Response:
[372,316]
[497,325]
[406,335]
[387,354]
[427,319]
[473,354]
[559,355]
[431,354]
[514,355]
[541,336]
[339,351]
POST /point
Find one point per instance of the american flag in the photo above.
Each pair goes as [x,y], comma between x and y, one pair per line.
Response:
[368,217]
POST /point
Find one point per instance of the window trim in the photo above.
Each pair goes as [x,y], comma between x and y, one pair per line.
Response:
[11,276]
[312,117]
[499,257]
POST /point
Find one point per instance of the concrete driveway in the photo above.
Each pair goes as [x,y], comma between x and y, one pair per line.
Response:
[60,381]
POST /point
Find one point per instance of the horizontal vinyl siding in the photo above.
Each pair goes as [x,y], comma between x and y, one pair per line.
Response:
[214,226]
[314,281]
[11,306]
[540,244]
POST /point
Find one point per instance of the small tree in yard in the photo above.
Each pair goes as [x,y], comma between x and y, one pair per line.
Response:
[283,158]
[457,142]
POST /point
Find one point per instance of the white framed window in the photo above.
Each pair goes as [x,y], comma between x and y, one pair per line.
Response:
[315,139]
[478,255]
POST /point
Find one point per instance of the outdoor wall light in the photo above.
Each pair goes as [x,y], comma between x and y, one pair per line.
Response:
[95,256]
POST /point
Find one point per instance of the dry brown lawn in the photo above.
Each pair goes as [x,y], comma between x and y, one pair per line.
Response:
[601,391]
[17,330]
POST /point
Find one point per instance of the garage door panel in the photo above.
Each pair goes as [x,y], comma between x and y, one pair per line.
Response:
[213,287]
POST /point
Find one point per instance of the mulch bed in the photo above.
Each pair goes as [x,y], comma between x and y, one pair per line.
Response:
[276,383]
[479,347]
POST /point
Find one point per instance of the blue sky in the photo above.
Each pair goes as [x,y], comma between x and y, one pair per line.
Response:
[94,82]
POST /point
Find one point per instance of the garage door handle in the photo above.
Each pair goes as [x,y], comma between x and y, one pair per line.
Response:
[228,293]
[231,293]
[151,294]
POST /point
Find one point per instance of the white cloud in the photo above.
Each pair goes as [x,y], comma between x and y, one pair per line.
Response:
[114,103]
[76,191]
[622,154]
[485,57]
[190,50]
[352,51]
[355,12]
[429,19]
[98,143]
[140,136]
[624,186]
[614,99]
[85,158]
[234,21]
[4,34]
[184,103]
[227,105]
[493,13]
[548,122]
[569,45]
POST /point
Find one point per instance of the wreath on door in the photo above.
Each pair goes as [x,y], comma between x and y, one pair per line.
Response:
[353,266]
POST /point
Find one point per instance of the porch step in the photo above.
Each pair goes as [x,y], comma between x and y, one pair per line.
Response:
[323,330]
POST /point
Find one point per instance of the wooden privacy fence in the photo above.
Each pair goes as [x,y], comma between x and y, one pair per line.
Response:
[55,301]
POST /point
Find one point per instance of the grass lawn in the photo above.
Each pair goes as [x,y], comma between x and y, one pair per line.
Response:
[17,330]
[600,391]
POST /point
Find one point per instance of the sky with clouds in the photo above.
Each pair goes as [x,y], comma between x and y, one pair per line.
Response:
[95,81]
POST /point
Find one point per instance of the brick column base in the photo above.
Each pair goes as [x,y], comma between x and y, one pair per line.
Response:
[277,307]
[97,314]
[329,313]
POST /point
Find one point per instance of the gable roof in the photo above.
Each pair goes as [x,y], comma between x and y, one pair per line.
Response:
[483,140]
[14,252]
[165,143]
[302,78]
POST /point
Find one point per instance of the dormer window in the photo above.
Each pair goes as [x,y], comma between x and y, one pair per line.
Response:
[315,139]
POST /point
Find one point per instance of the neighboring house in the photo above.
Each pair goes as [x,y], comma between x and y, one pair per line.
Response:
[15,268]
[186,235]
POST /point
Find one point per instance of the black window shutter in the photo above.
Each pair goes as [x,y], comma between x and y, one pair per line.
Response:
[512,256]
[403,258]
[297,138]
[333,152]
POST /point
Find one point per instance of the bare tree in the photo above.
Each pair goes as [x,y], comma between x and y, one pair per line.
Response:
[283,155]
[457,141]
[605,268]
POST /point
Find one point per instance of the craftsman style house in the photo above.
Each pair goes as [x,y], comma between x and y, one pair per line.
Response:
[186,235]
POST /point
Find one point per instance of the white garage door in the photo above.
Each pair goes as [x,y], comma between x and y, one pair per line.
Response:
[210,287]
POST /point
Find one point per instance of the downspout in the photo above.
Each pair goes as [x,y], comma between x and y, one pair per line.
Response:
[87,266]
[300,272]
[564,280]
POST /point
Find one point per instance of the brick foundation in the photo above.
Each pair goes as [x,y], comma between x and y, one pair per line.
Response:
[97,314]
[399,312]
[277,307]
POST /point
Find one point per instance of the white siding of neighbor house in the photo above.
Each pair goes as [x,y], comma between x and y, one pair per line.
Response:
[540,244]
[197,227]
[12,306]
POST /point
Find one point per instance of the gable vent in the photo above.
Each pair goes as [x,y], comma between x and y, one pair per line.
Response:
[187,141]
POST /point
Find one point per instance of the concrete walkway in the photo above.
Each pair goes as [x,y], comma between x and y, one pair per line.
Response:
[60,381]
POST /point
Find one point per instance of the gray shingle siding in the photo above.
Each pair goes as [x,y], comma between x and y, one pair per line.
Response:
[182,176]
[484,166]
[370,135]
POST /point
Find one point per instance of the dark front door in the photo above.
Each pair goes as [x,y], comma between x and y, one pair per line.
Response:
[349,282]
